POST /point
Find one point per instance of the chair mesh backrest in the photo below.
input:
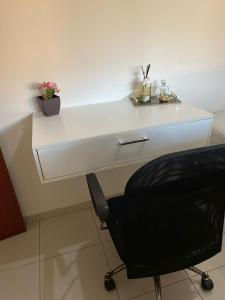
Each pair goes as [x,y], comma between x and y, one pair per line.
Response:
[175,209]
[199,163]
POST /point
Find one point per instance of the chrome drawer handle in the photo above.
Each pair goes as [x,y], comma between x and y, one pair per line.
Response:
[121,143]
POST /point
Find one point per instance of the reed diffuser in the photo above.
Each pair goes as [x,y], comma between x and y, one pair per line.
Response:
[146,85]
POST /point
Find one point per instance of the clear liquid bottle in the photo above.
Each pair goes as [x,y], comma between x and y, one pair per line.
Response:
[164,95]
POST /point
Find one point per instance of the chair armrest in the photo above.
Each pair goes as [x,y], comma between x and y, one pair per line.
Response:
[97,196]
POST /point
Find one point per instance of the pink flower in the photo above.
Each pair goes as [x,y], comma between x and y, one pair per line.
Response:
[44,85]
[48,89]
[48,85]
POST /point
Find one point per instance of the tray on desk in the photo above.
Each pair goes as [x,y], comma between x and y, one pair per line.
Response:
[154,101]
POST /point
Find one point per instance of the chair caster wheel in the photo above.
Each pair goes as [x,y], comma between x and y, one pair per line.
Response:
[207,283]
[109,284]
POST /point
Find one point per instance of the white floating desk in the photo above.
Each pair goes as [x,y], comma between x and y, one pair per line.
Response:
[107,135]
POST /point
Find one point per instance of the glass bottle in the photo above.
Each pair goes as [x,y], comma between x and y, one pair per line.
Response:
[164,95]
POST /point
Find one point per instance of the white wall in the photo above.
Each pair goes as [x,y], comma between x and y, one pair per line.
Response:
[91,49]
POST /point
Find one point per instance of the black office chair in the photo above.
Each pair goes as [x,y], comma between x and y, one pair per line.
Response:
[170,216]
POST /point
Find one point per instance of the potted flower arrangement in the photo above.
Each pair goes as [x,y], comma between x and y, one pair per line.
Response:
[49,102]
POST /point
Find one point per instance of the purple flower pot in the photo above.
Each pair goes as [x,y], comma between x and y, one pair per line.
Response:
[49,107]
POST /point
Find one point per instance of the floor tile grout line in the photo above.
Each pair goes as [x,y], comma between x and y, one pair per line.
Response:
[96,225]
[38,259]
[107,242]
[75,250]
[21,266]
[71,251]
[35,261]
[103,249]
[190,278]
[185,271]
[68,252]
[107,262]
[175,282]
[140,295]
[163,287]
[98,243]
[60,215]
[214,269]
[196,288]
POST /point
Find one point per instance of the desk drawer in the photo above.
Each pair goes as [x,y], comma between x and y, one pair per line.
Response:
[82,156]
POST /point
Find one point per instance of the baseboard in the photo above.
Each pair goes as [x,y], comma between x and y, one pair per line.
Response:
[63,210]
[57,212]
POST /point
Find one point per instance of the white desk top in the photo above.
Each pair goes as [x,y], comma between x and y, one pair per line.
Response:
[106,118]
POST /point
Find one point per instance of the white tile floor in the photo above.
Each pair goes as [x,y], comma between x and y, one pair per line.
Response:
[65,258]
